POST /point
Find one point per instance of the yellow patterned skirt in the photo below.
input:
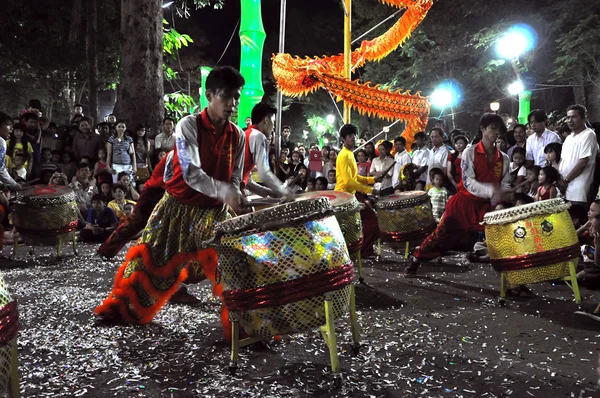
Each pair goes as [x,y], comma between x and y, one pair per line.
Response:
[169,250]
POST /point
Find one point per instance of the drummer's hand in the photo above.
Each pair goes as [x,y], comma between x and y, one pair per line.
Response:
[234,199]
[16,187]
[375,192]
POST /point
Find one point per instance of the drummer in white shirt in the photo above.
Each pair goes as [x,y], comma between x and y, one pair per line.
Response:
[541,137]
[379,165]
[420,156]
[402,158]
[438,154]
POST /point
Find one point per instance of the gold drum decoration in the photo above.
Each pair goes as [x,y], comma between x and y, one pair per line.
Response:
[532,243]
[405,217]
[277,266]
[46,214]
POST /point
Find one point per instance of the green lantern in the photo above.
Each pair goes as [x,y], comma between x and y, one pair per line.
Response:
[252,39]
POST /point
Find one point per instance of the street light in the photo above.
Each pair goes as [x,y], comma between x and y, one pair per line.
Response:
[168,4]
[516,88]
[516,41]
[330,119]
[495,106]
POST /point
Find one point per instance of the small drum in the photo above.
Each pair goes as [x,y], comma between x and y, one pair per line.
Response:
[278,264]
[405,217]
[347,209]
[46,215]
[532,243]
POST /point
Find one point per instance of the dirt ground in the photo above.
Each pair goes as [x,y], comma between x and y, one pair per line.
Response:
[441,335]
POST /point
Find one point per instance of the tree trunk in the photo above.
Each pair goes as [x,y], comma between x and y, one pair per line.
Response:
[92,57]
[140,93]
[593,101]
[75,22]
[578,87]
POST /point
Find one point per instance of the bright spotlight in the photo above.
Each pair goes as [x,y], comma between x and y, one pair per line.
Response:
[330,119]
[516,88]
[495,106]
[168,4]
[516,41]
[446,95]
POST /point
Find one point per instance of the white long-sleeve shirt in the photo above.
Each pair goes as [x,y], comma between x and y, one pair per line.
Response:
[401,159]
[257,143]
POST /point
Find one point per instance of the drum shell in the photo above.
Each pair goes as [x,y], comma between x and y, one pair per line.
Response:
[45,222]
[416,221]
[505,241]
[351,226]
[258,259]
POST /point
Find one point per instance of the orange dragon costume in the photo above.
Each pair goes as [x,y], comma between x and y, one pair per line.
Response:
[296,77]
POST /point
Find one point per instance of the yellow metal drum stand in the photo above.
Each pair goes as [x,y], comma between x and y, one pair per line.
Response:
[347,211]
[533,243]
[46,215]
[286,270]
[404,219]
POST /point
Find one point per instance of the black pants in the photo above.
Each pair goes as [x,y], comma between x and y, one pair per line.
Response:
[86,235]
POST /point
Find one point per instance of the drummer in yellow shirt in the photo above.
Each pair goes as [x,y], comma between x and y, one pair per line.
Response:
[349,181]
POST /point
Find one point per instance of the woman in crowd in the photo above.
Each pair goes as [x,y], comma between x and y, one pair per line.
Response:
[454,169]
[120,152]
[143,154]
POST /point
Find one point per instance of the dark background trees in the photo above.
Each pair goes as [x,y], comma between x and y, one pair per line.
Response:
[455,41]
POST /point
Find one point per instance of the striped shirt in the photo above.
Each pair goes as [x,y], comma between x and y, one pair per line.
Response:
[439,198]
[120,149]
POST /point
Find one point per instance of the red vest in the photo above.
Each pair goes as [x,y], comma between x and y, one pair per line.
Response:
[483,171]
[217,158]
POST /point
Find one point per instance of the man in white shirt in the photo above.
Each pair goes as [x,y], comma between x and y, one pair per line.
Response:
[402,158]
[165,141]
[541,137]
[578,159]
[438,154]
[379,165]
[420,156]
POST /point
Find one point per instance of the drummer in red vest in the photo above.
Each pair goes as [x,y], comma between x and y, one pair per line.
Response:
[348,180]
[485,183]
[256,154]
[202,180]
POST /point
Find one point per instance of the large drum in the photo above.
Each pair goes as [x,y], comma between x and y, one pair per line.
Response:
[347,211]
[277,265]
[405,217]
[46,215]
[532,243]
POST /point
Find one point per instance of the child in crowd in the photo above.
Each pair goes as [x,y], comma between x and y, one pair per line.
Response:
[18,143]
[296,163]
[321,184]
[127,210]
[47,165]
[56,157]
[18,171]
[100,222]
[553,152]
[330,164]
[501,144]
[310,184]
[161,155]
[589,276]
[331,180]
[530,185]
[68,166]
[105,190]
[101,163]
[363,163]
[297,183]
[547,180]
[437,193]
[517,170]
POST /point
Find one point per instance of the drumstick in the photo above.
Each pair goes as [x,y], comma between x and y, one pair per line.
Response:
[389,168]
[25,184]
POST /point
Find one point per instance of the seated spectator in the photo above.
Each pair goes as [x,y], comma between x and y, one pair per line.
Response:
[321,184]
[331,180]
[518,172]
[553,152]
[547,179]
[118,204]
[100,222]
[105,190]
[18,144]
[58,178]
[68,166]
[18,170]
[56,157]
[47,164]
[310,185]
[127,210]
[84,187]
[297,183]
[125,180]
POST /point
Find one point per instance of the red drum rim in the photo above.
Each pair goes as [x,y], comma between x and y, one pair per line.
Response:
[408,236]
[540,259]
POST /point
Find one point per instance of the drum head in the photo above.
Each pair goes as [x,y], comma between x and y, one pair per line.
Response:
[402,199]
[45,194]
[338,199]
[277,216]
[513,214]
